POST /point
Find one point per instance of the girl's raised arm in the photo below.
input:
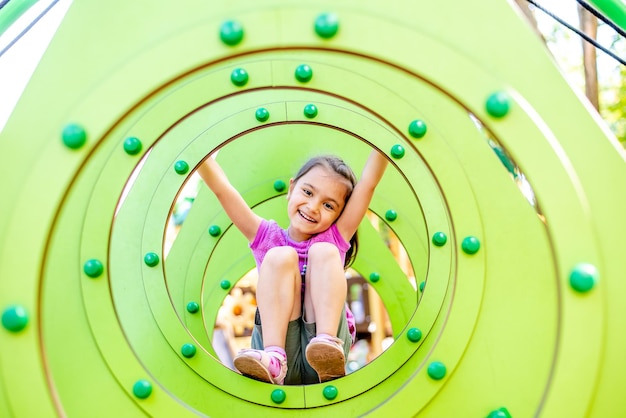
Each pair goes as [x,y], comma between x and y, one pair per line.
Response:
[236,208]
[361,197]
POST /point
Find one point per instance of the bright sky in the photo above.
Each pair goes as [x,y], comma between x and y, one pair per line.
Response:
[18,62]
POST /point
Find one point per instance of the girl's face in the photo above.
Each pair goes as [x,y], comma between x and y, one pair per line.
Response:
[315,202]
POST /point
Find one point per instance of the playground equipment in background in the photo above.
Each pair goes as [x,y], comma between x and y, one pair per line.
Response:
[521,311]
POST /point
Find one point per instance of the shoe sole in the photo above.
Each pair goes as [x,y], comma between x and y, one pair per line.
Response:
[253,369]
[327,360]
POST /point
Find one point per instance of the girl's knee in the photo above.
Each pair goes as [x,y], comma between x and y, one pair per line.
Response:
[281,256]
[323,251]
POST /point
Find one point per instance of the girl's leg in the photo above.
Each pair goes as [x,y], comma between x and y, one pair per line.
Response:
[326,288]
[278,294]
[278,301]
[325,298]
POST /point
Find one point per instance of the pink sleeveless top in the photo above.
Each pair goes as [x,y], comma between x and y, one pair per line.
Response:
[271,235]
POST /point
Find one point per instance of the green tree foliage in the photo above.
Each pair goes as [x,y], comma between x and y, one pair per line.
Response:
[613,111]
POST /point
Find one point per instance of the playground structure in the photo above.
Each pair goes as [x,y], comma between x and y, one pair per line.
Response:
[504,188]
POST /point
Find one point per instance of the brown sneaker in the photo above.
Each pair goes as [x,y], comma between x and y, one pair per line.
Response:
[325,355]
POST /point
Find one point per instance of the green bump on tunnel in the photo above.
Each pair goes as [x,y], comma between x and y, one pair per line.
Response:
[278,396]
[142,389]
[215,231]
[397,151]
[437,370]
[15,318]
[304,73]
[417,128]
[439,239]
[583,277]
[414,335]
[231,32]
[327,25]
[239,77]
[498,104]
[193,307]
[310,111]
[262,114]
[188,350]
[280,186]
[181,167]
[132,145]
[151,259]
[74,136]
[93,268]
[470,245]
[330,392]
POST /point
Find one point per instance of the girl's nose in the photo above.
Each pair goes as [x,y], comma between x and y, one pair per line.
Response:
[314,206]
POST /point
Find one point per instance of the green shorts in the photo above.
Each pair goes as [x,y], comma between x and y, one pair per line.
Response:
[299,333]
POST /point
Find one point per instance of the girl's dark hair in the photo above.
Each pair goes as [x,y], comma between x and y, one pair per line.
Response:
[337,165]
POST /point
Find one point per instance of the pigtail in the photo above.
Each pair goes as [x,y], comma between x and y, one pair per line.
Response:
[351,253]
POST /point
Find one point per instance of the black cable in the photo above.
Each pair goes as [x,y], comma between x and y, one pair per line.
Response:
[579,33]
[17,38]
[602,17]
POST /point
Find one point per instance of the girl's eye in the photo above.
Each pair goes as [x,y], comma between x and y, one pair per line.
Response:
[328,206]
[307,192]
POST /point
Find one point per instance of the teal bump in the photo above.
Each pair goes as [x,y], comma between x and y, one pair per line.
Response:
[74,136]
[215,231]
[262,114]
[397,151]
[436,370]
[414,335]
[225,284]
[15,318]
[327,25]
[304,73]
[470,245]
[280,186]
[422,285]
[374,277]
[391,215]
[132,145]
[93,268]
[583,277]
[142,389]
[188,350]
[278,396]
[417,128]
[330,392]
[181,167]
[151,259]
[231,32]
[498,104]
[310,111]
[193,307]
[499,413]
[239,77]
[440,239]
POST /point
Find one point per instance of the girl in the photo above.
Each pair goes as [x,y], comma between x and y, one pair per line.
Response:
[301,332]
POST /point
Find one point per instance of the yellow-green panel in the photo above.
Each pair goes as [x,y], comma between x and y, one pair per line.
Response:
[505,321]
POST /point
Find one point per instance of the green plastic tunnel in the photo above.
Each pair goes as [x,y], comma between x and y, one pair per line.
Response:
[504,189]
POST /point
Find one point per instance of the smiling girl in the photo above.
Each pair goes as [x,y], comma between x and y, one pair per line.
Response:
[303,330]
